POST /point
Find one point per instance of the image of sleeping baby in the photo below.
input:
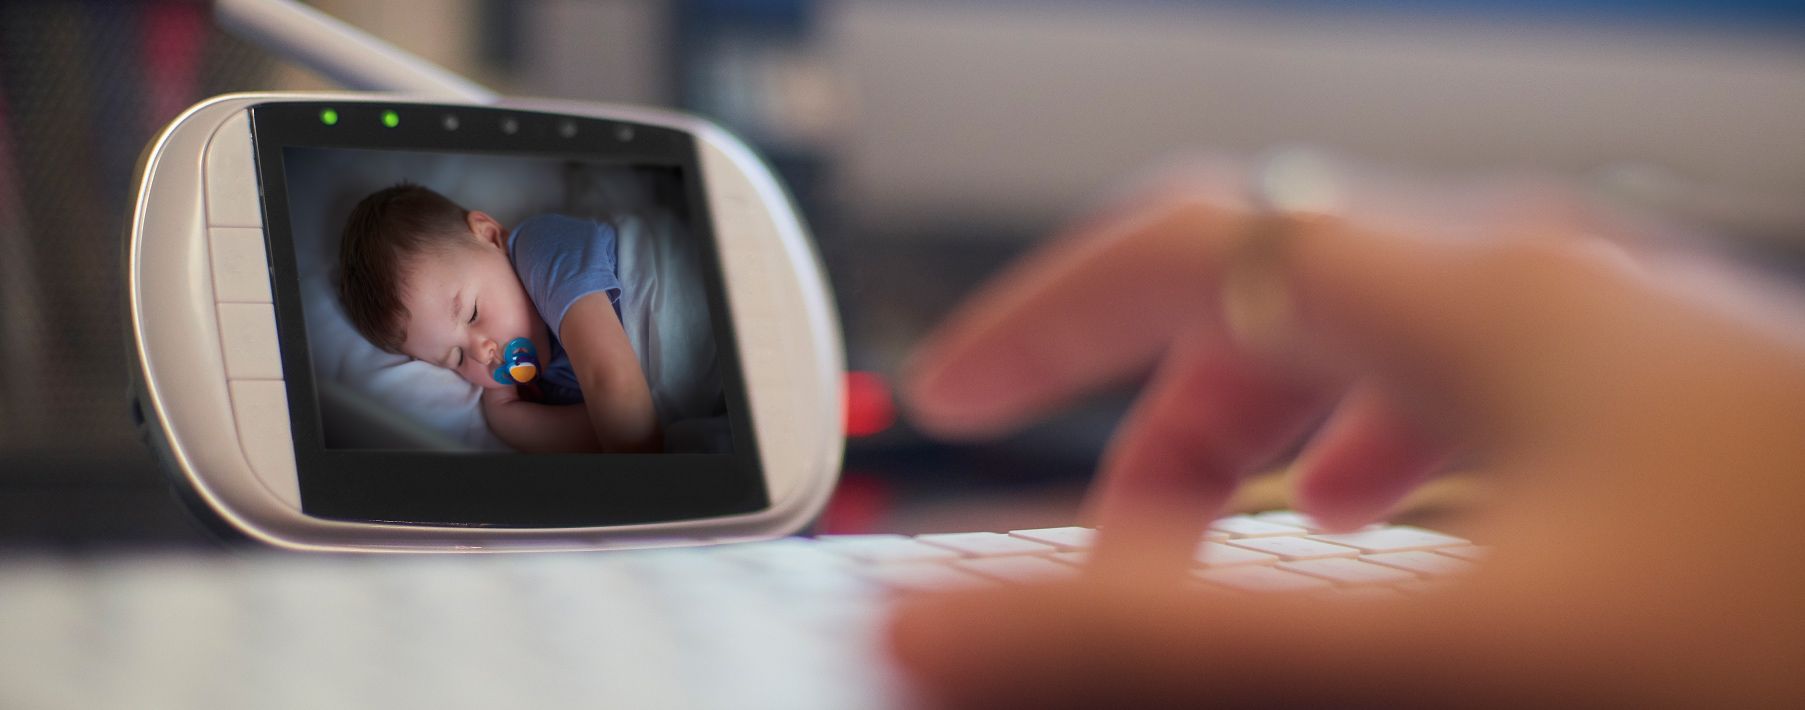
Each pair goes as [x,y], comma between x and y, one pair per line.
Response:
[529,312]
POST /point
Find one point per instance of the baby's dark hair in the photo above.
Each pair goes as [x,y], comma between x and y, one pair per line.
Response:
[384,230]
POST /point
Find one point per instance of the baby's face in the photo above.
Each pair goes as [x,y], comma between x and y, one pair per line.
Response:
[465,303]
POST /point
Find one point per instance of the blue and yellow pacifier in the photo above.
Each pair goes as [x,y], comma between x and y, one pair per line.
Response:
[519,363]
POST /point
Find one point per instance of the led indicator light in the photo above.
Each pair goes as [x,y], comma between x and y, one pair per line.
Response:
[391,119]
[329,117]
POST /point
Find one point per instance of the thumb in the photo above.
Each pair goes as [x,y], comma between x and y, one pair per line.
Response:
[1091,644]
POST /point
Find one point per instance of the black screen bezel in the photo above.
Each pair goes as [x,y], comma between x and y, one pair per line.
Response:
[483,489]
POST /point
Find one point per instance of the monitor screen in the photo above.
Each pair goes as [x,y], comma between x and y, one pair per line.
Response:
[500,317]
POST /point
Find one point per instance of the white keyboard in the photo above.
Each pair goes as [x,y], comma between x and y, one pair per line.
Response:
[789,624]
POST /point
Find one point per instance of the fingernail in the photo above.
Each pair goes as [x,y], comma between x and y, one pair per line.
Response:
[942,391]
[963,385]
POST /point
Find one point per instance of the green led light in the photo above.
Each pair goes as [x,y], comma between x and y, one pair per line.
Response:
[391,119]
[329,117]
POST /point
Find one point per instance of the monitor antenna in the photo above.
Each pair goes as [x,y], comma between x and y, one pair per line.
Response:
[340,52]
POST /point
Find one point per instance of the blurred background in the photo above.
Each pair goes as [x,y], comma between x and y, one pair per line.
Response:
[928,141]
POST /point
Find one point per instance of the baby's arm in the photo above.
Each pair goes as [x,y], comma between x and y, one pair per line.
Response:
[537,428]
[614,388]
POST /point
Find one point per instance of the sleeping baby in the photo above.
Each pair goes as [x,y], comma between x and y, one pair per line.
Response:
[421,276]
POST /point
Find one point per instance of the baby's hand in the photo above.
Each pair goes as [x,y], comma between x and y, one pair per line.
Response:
[500,395]
[534,427]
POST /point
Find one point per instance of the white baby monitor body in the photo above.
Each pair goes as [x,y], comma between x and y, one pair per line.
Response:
[210,343]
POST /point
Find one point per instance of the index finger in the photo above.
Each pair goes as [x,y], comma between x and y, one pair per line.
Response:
[1098,306]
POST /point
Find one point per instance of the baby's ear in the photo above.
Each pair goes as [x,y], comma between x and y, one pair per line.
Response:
[486,229]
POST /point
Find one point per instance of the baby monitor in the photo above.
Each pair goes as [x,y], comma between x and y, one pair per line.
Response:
[281,419]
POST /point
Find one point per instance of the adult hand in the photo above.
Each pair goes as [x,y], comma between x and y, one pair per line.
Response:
[1647,443]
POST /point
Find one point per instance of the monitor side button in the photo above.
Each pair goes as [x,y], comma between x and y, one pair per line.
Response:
[240,270]
[248,332]
[261,408]
[231,176]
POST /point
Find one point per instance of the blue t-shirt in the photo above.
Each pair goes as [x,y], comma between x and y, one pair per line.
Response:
[561,259]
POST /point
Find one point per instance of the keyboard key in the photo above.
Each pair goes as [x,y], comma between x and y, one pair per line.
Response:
[730,548]
[815,574]
[1294,548]
[883,548]
[1254,578]
[785,553]
[1470,553]
[1071,538]
[1423,563]
[1288,517]
[1348,572]
[1298,520]
[1216,554]
[1392,539]
[1019,568]
[923,577]
[987,544]
[1075,558]
[677,563]
[1242,526]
